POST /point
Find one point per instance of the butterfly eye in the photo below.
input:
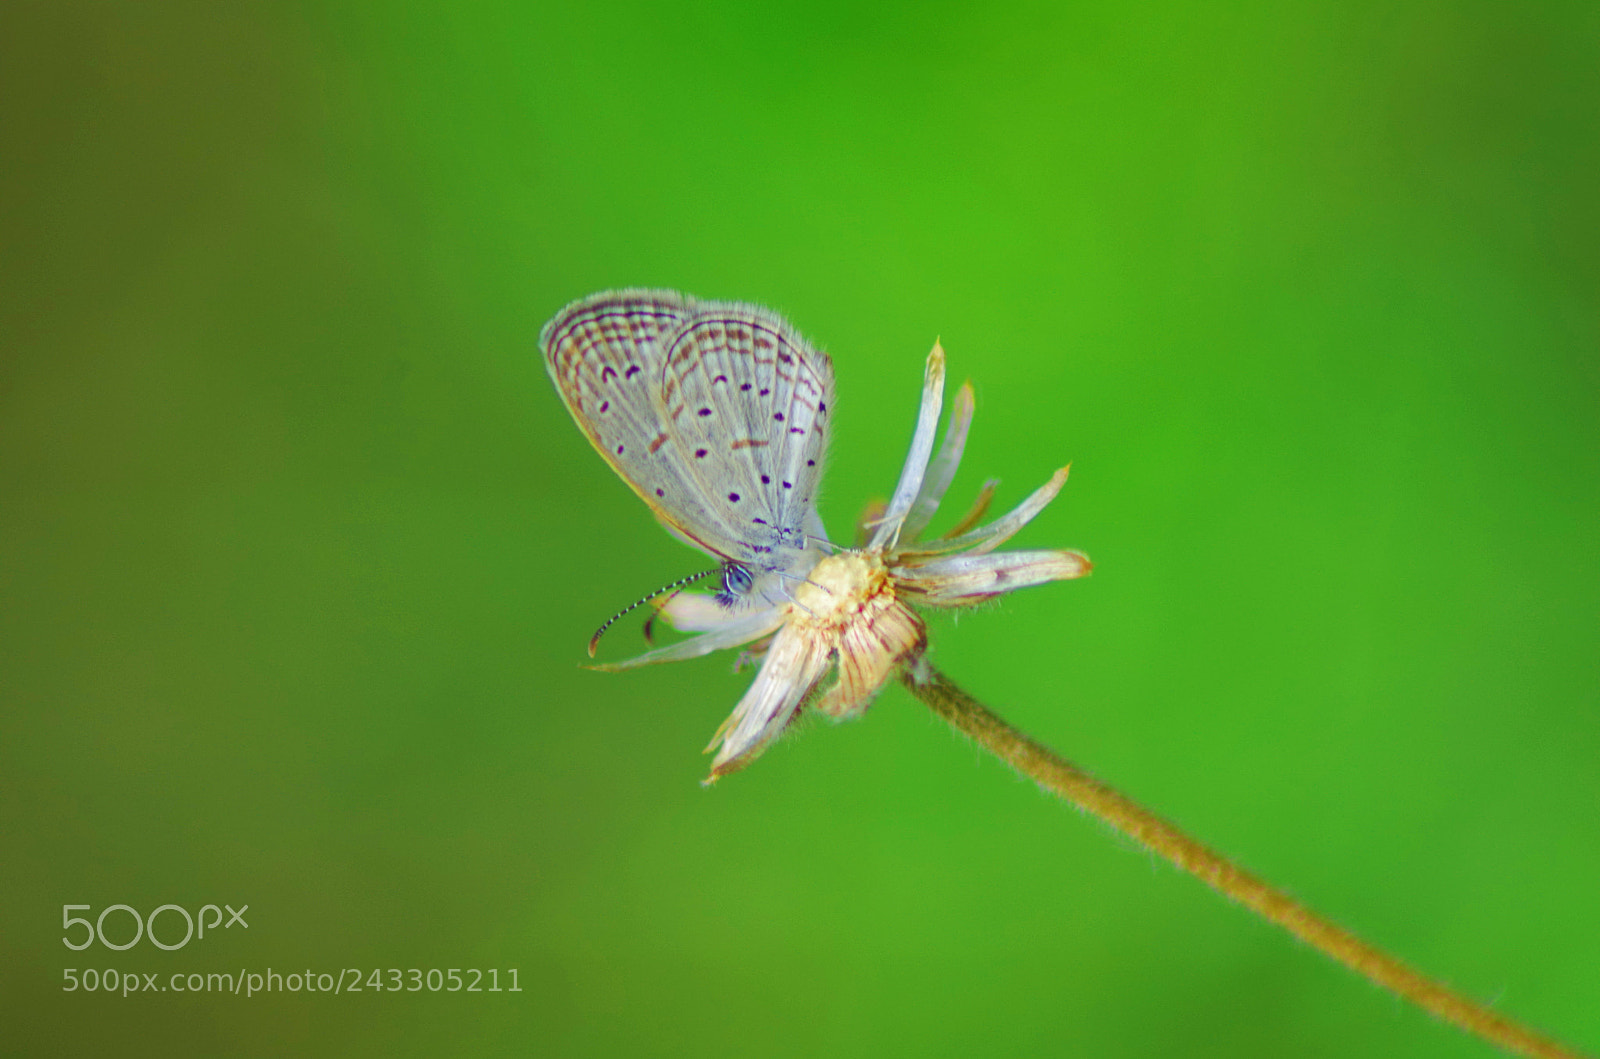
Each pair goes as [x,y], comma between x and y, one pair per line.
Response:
[736,580]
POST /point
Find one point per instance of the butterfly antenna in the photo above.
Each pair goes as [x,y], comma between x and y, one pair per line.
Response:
[594,641]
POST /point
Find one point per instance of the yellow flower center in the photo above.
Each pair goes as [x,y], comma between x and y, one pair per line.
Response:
[840,589]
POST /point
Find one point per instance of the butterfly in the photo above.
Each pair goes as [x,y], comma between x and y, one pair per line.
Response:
[716,414]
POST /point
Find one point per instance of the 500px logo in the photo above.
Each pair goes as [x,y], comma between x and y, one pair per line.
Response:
[145,926]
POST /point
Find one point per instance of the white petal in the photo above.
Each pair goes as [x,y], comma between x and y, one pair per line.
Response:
[944,465]
[916,466]
[794,663]
[698,612]
[748,627]
[963,579]
[987,538]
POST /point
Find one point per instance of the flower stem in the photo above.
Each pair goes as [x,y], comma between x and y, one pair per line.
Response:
[1042,765]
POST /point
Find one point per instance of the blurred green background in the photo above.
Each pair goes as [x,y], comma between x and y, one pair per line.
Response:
[299,550]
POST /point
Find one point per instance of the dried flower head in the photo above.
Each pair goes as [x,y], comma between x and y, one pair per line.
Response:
[853,610]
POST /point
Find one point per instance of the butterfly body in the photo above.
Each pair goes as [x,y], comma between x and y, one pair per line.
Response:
[715,414]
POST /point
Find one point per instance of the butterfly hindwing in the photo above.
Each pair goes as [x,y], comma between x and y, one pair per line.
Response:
[748,401]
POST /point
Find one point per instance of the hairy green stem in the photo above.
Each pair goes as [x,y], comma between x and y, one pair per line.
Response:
[1042,765]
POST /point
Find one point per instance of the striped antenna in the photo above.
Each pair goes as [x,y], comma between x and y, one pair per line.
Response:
[594,641]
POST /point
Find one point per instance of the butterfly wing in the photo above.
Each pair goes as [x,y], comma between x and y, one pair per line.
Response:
[747,402]
[713,413]
[605,356]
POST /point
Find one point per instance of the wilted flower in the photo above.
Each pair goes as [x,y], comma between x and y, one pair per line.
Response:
[854,607]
